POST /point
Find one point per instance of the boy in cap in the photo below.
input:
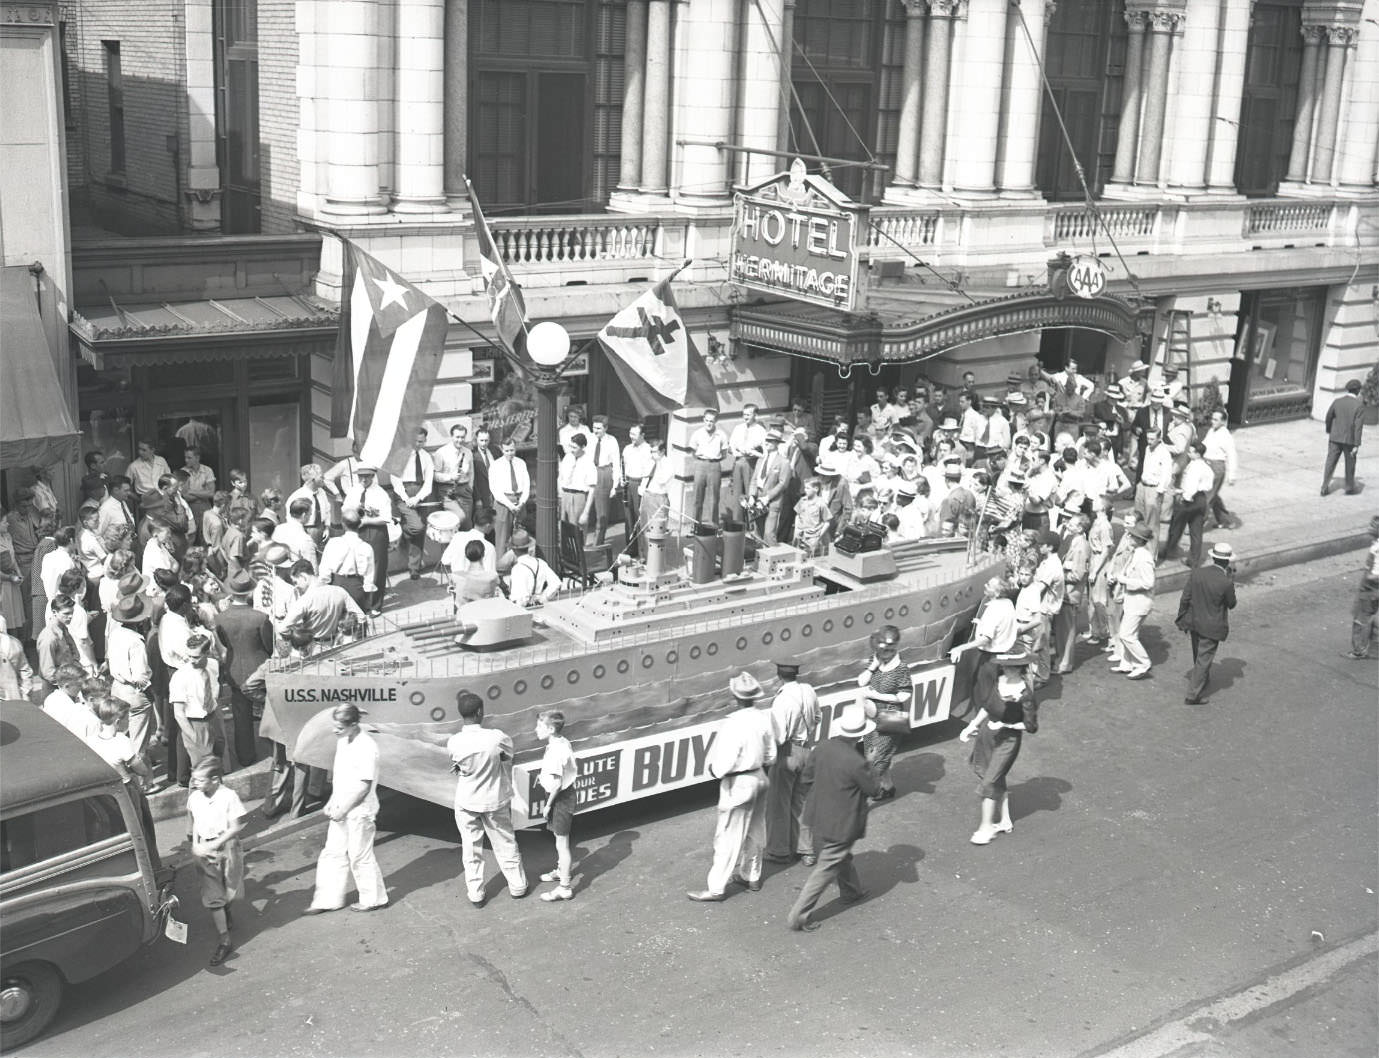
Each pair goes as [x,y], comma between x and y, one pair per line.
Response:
[742,750]
[215,817]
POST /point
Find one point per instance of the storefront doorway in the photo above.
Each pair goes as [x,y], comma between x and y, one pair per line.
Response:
[1277,345]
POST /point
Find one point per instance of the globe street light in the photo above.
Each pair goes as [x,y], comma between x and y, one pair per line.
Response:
[548,345]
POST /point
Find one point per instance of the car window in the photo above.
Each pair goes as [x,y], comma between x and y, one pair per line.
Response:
[40,835]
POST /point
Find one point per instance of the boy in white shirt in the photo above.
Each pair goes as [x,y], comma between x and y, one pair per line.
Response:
[215,817]
[557,778]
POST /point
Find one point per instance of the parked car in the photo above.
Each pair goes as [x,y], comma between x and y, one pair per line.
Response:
[81,884]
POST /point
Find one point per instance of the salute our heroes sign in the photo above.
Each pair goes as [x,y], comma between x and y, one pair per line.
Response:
[796,235]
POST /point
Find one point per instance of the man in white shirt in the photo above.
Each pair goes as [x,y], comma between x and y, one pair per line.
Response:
[638,461]
[294,533]
[578,479]
[147,468]
[348,561]
[481,759]
[746,444]
[707,446]
[454,475]
[531,578]
[884,414]
[794,723]
[413,488]
[66,705]
[1155,485]
[321,611]
[317,492]
[973,426]
[1190,512]
[1069,382]
[126,654]
[607,460]
[375,512]
[1221,457]
[1093,475]
[194,691]
[510,483]
[453,558]
[1180,435]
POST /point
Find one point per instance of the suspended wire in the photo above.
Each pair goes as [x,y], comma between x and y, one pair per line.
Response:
[951,284]
[1072,151]
[794,96]
[831,97]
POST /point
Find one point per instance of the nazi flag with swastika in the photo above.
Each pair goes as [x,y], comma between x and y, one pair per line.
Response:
[651,350]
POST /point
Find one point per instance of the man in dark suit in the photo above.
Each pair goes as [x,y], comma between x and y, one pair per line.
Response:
[837,813]
[1203,613]
[1156,415]
[247,634]
[1344,425]
[484,455]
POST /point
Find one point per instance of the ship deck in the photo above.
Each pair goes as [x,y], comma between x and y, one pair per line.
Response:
[402,645]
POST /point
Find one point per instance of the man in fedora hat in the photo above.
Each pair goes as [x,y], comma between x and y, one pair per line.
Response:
[248,637]
[530,577]
[375,509]
[743,748]
[837,812]
[794,720]
[1203,613]
[769,478]
[126,654]
[1136,579]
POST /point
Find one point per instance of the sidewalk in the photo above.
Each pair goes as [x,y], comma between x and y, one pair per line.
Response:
[1283,521]
[1284,518]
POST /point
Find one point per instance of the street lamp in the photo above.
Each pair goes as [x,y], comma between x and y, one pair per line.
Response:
[548,345]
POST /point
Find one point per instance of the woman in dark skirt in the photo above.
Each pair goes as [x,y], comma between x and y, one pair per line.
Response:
[1007,712]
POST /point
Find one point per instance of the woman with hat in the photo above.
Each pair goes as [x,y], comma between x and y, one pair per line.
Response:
[131,675]
[886,685]
[216,816]
[1007,712]
[742,750]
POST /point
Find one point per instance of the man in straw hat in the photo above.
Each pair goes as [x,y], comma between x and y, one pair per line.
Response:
[352,810]
[126,654]
[1204,612]
[742,750]
[1136,578]
[837,812]
[248,635]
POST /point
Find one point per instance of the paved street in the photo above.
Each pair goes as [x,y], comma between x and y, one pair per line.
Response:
[1168,868]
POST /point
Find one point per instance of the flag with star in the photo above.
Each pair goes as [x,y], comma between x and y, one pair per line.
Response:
[387,355]
[651,349]
[506,306]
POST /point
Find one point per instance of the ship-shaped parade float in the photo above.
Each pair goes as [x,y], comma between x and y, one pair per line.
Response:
[640,666]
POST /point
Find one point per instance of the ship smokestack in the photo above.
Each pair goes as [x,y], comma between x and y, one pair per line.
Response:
[734,548]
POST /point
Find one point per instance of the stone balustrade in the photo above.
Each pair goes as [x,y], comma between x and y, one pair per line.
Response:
[1288,218]
[1136,223]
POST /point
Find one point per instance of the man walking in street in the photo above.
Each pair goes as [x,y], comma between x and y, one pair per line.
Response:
[837,812]
[1344,426]
[741,752]
[1204,612]
[481,759]
[1362,613]
[1137,578]
[794,718]
[1220,456]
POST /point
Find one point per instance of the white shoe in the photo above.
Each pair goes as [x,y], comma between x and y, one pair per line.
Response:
[1122,667]
[982,836]
[560,892]
[551,876]
[1005,828]
[1137,673]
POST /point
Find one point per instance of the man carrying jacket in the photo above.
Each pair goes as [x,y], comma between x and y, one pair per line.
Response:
[1203,613]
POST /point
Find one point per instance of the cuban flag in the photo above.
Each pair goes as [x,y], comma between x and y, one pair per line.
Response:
[387,355]
[651,350]
[505,304]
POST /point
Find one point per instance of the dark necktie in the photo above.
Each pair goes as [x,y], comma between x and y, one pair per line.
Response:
[320,514]
[512,469]
[598,447]
[416,466]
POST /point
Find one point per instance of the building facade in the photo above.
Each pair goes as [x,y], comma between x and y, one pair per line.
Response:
[1217,156]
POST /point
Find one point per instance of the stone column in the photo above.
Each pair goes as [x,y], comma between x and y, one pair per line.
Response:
[705,107]
[1019,137]
[656,109]
[907,143]
[938,55]
[634,88]
[1225,126]
[456,77]
[1359,138]
[203,181]
[1340,39]
[351,113]
[977,105]
[787,71]
[1313,36]
[1163,25]
[1128,134]
[1195,96]
[420,107]
[760,120]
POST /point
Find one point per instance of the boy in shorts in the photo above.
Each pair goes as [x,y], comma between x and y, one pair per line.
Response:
[557,778]
[216,817]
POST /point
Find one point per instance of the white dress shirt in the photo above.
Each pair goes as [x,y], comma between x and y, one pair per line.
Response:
[1197,479]
[510,482]
[1220,446]
[637,461]
[347,556]
[604,452]
[294,535]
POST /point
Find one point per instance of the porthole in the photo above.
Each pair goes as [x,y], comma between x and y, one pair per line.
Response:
[785,635]
[928,605]
[623,666]
[494,692]
[572,677]
[943,602]
[599,672]
[711,649]
[647,661]
[868,617]
[807,630]
[547,682]
[520,687]
[766,639]
[741,642]
[416,698]
[672,656]
[904,611]
[890,613]
[438,714]
[848,621]
[694,653]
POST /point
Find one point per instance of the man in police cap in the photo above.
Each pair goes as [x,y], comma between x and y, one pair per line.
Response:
[794,719]
[742,750]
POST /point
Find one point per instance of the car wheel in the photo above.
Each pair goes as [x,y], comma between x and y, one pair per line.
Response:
[30,994]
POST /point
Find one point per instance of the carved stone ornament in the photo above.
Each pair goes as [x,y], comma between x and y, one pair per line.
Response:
[1161,21]
[915,8]
[948,8]
[26,14]
[1343,36]
[1137,20]
[1050,9]
[1313,33]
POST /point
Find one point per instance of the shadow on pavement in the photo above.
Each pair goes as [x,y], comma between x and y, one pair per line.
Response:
[590,866]
[919,773]
[1043,793]
[880,872]
[1225,672]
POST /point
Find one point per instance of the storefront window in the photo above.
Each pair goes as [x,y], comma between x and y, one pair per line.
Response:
[107,417]
[275,433]
[1276,353]
[505,399]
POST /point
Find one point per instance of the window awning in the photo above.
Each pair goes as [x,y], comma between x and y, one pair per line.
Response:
[186,331]
[902,326]
[36,426]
